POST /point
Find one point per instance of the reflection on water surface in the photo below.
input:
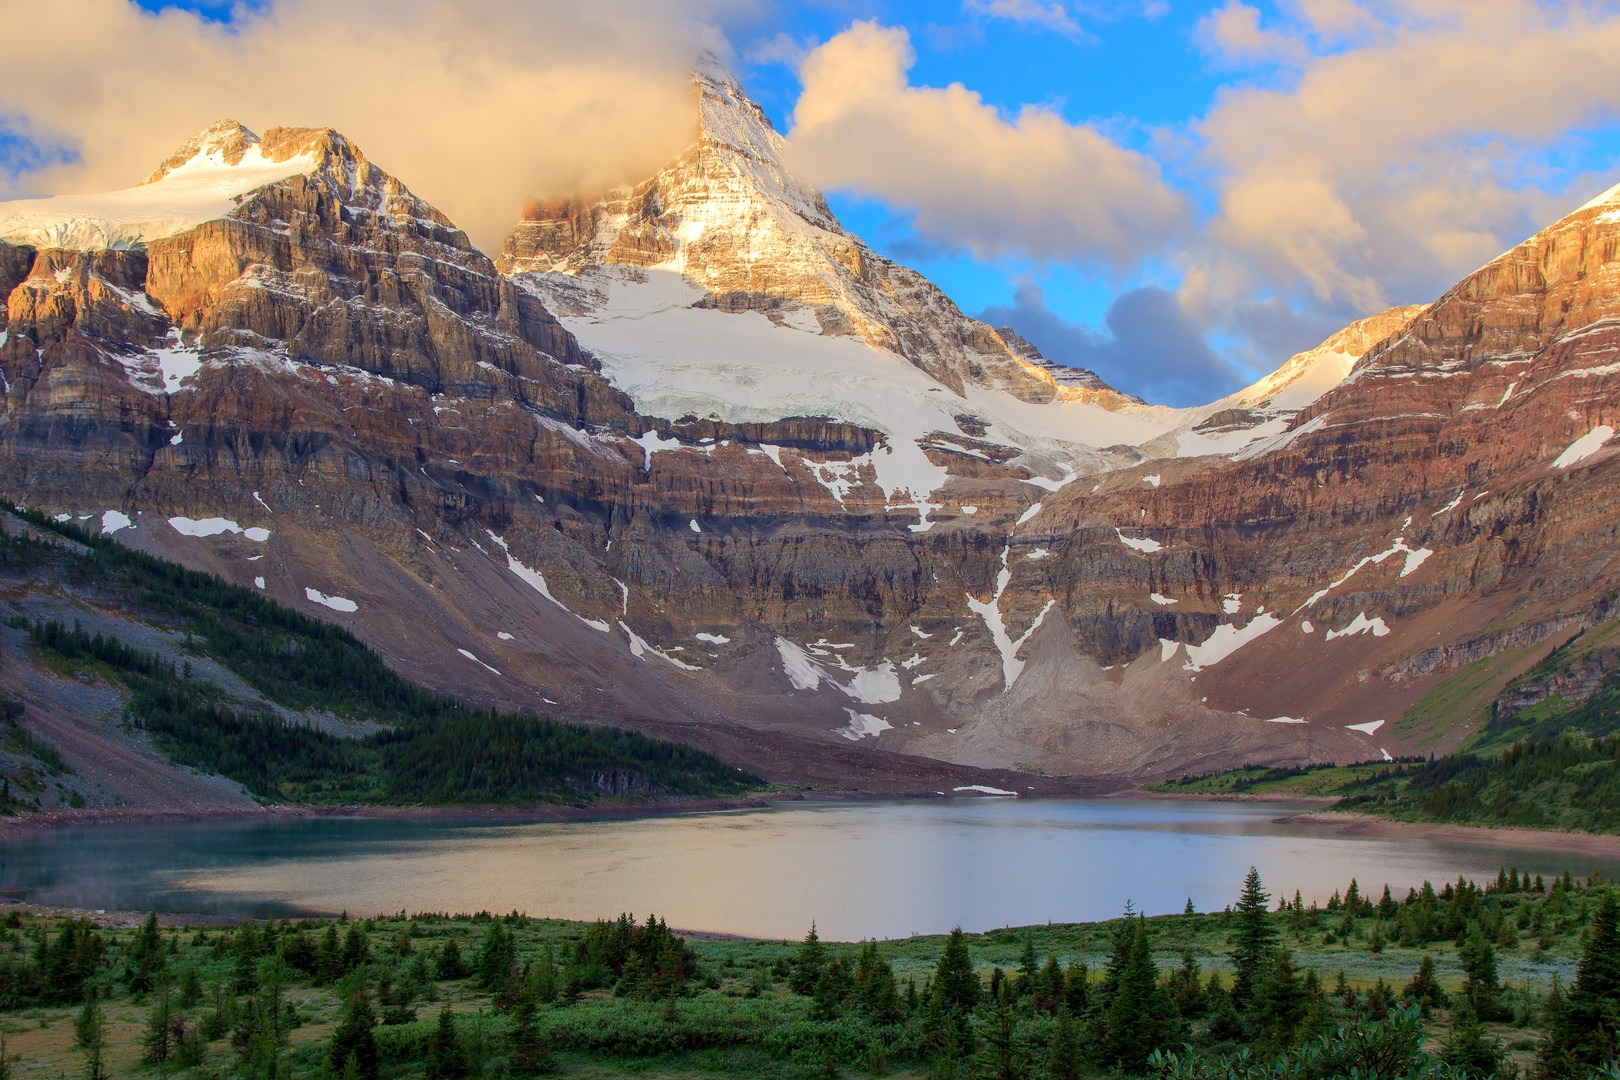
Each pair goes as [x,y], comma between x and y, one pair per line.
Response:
[864,869]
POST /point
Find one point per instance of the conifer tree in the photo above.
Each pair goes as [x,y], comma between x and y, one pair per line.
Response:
[157,1043]
[956,984]
[807,964]
[90,1037]
[1255,941]
[1584,1023]
[446,1058]
[1480,984]
[147,957]
[1063,1060]
[354,1043]
[1137,1021]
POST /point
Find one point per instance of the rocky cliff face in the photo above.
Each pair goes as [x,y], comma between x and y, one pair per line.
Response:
[700,462]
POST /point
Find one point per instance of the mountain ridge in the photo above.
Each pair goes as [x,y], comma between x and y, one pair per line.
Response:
[554,489]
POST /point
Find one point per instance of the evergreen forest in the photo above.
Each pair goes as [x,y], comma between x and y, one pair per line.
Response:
[1518,977]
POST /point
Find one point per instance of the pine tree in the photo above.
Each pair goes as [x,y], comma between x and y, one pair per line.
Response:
[1137,1021]
[1425,990]
[1255,941]
[956,984]
[1063,1056]
[147,957]
[1480,985]
[1028,968]
[1585,1031]
[158,1040]
[90,1037]
[354,1043]
[446,1058]
[1470,1048]
[1003,1057]
[807,964]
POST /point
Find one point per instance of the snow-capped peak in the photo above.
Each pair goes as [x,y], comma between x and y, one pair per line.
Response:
[223,141]
[1608,198]
[204,179]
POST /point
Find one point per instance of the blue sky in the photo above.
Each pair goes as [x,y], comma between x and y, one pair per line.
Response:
[1179,194]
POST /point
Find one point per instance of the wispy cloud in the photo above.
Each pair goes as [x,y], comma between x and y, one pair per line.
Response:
[1047,13]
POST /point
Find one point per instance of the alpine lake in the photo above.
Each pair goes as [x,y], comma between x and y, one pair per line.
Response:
[857,870]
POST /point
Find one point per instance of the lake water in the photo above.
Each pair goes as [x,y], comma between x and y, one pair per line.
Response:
[871,869]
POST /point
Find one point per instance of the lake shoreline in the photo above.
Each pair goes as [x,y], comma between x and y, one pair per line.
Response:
[43,820]
[1349,824]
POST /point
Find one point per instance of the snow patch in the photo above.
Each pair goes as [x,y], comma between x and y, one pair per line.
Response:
[1361,625]
[1028,515]
[1306,627]
[713,639]
[504,636]
[694,526]
[920,632]
[336,603]
[1366,729]
[214,526]
[1584,447]
[1162,600]
[1142,544]
[984,789]
[1284,720]
[1038,554]
[1231,603]
[477,661]
[1151,481]
[259,582]
[1227,640]
[113,520]
[990,613]
[862,725]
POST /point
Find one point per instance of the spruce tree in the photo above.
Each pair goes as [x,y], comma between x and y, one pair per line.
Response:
[1584,1030]
[1255,941]
[808,963]
[1063,1055]
[956,984]
[90,1037]
[354,1043]
[1480,984]
[1137,1022]
[446,1058]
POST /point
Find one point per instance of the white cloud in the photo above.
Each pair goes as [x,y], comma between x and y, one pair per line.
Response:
[1034,185]
[476,105]
[1405,149]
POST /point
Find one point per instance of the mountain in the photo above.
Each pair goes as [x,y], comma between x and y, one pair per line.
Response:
[691,458]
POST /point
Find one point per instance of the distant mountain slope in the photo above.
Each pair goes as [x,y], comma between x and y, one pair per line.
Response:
[705,466]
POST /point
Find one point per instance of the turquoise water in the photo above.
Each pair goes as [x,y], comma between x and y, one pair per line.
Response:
[857,869]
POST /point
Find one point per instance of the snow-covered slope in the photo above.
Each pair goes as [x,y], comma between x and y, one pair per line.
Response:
[224,164]
[676,358]
[1243,421]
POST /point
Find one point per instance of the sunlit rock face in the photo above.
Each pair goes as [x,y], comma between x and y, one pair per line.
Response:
[692,458]
[731,218]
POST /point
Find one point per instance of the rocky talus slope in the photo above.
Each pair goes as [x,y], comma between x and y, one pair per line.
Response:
[611,478]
